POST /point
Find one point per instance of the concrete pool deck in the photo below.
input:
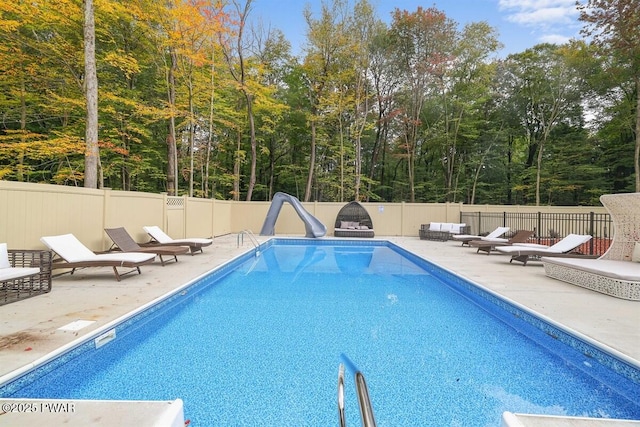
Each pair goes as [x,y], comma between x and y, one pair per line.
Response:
[29,329]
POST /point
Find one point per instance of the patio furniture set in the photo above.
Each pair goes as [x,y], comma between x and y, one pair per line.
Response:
[615,273]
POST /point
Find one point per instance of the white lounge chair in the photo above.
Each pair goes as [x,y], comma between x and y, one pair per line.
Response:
[73,254]
[494,236]
[525,252]
[158,236]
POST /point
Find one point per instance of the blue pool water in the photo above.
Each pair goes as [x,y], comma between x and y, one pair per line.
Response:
[260,344]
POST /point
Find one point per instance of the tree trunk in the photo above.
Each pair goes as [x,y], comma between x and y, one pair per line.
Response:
[312,162]
[236,168]
[254,150]
[91,95]
[192,124]
[205,178]
[172,150]
[636,160]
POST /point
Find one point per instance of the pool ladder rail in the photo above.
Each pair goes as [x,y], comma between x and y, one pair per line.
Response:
[364,402]
[252,239]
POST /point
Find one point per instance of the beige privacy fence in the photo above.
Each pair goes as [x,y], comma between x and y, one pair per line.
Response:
[29,211]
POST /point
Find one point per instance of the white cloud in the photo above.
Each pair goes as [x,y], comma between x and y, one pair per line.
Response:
[534,4]
[550,21]
[539,12]
[543,16]
[554,39]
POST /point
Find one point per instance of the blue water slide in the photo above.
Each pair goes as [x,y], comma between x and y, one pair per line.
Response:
[312,225]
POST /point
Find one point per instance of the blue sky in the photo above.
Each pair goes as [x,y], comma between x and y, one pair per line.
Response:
[521,23]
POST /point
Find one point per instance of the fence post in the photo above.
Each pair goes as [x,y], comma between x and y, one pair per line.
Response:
[591,231]
[539,225]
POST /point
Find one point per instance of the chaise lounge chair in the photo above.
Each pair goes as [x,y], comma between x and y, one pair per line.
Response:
[495,234]
[125,243]
[73,254]
[159,237]
[487,245]
[564,247]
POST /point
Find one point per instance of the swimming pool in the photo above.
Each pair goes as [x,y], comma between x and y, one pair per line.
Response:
[258,343]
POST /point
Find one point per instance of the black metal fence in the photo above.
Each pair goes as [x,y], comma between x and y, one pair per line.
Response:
[548,228]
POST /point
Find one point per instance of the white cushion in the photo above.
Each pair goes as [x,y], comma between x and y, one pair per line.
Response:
[455,228]
[157,234]
[446,226]
[68,247]
[4,256]
[17,272]
[635,257]
[434,226]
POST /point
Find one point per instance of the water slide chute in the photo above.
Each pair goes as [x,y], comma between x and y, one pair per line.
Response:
[313,226]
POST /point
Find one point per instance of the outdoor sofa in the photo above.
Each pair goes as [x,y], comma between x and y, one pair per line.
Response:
[442,230]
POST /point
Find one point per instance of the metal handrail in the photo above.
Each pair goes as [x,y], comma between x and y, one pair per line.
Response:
[364,401]
[252,238]
[343,421]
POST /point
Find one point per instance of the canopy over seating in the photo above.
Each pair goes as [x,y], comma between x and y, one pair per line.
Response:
[353,220]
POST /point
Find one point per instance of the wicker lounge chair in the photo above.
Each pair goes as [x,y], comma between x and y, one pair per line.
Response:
[124,242]
[159,237]
[73,254]
[23,273]
[487,245]
[353,220]
[617,271]
[565,247]
[495,234]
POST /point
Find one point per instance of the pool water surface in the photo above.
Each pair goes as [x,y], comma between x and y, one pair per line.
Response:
[261,343]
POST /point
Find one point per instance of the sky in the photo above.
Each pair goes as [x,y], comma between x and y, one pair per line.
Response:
[521,24]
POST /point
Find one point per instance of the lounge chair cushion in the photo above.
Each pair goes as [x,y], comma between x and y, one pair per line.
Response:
[567,244]
[68,247]
[162,238]
[434,226]
[494,239]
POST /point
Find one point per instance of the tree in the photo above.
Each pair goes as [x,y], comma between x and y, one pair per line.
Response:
[234,53]
[545,91]
[615,28]
[464,90]
[424,42]
[327,44]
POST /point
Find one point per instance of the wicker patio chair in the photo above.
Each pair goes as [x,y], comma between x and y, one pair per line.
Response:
[353,220]
[24,273]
